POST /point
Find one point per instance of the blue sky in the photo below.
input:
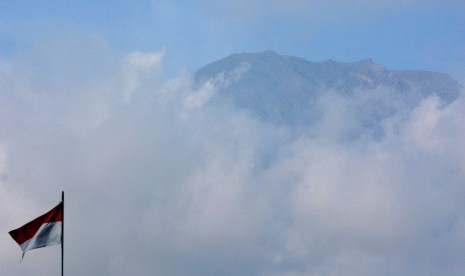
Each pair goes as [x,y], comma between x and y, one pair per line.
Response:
[411,34]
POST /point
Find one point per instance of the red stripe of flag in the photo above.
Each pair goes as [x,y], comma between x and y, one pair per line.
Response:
[27,231]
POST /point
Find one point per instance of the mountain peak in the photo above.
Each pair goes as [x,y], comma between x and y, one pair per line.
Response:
[282,89]
[267,53]
[366,61]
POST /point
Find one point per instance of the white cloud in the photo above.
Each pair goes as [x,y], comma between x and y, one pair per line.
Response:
[160,182]
[202,95]
[140,67]
[145,61]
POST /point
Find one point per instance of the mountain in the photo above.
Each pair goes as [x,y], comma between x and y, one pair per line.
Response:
[288,90]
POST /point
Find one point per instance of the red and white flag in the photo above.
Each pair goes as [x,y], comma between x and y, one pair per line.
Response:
[43,231]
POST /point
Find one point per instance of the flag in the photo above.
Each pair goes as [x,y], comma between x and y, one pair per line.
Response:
[43,231]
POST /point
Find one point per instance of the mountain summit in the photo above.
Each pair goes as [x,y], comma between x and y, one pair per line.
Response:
[286,90]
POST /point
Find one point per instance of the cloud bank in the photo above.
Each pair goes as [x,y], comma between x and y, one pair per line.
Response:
[161,180]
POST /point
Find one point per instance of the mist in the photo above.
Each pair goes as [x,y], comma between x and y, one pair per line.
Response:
[162,180]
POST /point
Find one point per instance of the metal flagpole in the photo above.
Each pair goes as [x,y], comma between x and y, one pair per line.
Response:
[62,231]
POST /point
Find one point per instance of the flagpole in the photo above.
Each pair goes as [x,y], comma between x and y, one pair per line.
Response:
[62,231]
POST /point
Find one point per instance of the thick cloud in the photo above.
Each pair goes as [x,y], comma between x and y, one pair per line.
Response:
[161,180]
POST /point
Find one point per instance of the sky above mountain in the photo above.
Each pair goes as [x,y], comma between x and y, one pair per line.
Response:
[401,34]
[97,98]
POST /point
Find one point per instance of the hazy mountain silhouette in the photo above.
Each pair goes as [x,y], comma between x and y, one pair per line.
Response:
[287,90]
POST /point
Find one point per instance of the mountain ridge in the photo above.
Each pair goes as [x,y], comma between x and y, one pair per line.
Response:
[284,89]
